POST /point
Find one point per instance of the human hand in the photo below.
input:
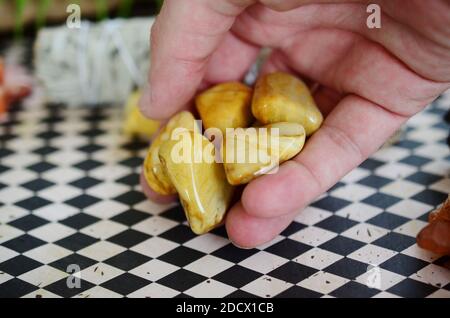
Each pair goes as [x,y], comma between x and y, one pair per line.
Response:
[371,81]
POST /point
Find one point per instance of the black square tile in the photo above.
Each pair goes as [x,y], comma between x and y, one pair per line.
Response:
[125,284]
[342,245]
[354,290]
[48,134]
[415,160]
[37,184]
[135,145]
[18,265]
[331,203]
[79,220]
[374,181]
[28,222]
[424,178]
[408,144]
[15,288]
[443,261]
[298,292]
[61,288]
[41,167]
[179,234]
[294,227]
[237,276]
[2,185]
[430,197]
[76,241]
[33,203]
[387,220]
[130,217]
[132,162]
[127,260]
[131,179]
[288,248]
[92,132]
[410,288]
[395,241]
[347,268]
[181,256]
[403,264]
[45,150]
[381,200]
[176,214]
[3,168]
[4,152]
[336,224]
[183,296]
[234,254]
[82,201]
[80,260]
[131,197]
[129,238]
[220,231]
[336,186]
[241,294]
[181,280]
[371,164]
[85,183]
[23,243]
[90,148]
[292,272]
[88,164]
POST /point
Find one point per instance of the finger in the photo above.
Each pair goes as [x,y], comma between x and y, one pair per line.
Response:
[247,231]
[352,131]
[436,237]
[183,38]
[153,196]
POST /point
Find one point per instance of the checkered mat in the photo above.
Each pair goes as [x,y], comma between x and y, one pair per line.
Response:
[69,194]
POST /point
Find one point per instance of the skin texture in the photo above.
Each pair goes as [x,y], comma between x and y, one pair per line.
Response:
[371,82]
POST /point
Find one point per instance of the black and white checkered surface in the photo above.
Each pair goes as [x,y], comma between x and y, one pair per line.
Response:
[69,194]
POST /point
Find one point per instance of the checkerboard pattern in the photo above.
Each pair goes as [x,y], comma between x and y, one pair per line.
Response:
[69,194]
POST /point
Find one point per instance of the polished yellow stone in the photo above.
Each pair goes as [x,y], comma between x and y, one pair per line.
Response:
[281,97]
[154,174]
[136,124]
[251,152]
[199,180]
[225,105]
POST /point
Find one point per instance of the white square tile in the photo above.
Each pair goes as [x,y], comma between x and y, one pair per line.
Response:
[266,287]
[6,254]
[323,282]
[106,209]
[318,258]
[56,211]
[410,208]
[16,177]
[359,212]
[420,253]
[154,290]
[59,193]
[65,158]
[353,192]
[209,266]
[154,225]
[210,289]
[411,228]
[107,190]
[154,247]
[21,160]
[47,253]
[313,236]
[41,293]
[14,194]
[4,277]
[433,274]
[439,167]
[442,185]
[104,229]
[101,250]
[390,154]
[109,172]
[100,273]
[385,294]
[364,232]
[311,215]
[63,175]
[52,232]
[435,151]
[372,254]
[98,292]
[9,213]
[151,207]
[43,276]
[441,293]
[263,262]
[402,188]
[395,170]
[154,270]
[8,232]
[207,243]
[355,175]
[385,279]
